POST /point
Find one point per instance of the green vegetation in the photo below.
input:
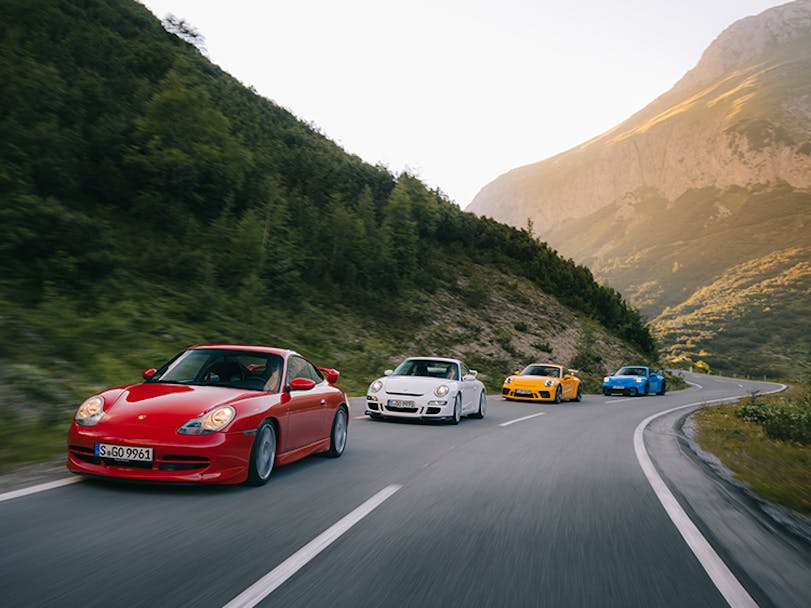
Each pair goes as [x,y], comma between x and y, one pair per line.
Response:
[149,201]
[782,418]
[724,271]
[589,363]
[778,470]
[674,382]
[70,355]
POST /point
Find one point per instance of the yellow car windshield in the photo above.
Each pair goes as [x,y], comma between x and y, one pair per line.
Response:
[541,370]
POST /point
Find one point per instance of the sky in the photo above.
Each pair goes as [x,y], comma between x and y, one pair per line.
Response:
[458,92]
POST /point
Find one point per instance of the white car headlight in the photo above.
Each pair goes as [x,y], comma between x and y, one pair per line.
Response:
[91,411]
[441,390]
[376,386]
[214,421]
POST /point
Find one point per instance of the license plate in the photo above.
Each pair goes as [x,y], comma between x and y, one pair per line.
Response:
[123,452]
[523,393]
[401,403]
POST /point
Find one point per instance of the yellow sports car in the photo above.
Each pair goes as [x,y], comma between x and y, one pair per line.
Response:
[543,382]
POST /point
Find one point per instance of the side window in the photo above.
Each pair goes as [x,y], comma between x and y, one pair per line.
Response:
[465,370]
[300,368]
[293,369]
[311,373]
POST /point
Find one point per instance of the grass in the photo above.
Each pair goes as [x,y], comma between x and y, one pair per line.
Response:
[779,471]
[57,352]
[34,440]
[674,382]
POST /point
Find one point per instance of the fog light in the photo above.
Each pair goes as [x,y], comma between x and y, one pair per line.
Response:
[439,403]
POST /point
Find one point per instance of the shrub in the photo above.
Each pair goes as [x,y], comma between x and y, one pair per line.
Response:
[542,345]
[784,420]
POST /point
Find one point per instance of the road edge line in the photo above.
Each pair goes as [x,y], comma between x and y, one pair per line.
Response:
[722,577]
[42,487]
[276,577]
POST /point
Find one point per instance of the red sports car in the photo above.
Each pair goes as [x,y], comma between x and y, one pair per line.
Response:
[213,413]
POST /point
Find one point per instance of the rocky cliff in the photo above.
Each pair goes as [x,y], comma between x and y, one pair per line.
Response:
[710,177]
[741,117]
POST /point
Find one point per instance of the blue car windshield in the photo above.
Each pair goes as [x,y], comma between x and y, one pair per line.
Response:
[633,371]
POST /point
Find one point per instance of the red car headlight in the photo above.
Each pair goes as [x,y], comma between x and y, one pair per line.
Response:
[90,412]
[215,420]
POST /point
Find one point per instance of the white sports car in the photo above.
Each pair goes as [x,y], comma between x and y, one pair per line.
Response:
[427,388]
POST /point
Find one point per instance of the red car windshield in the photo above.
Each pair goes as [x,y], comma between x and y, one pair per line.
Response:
[247,370]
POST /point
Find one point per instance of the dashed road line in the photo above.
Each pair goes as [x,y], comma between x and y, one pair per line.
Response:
[509,422]
[276,577]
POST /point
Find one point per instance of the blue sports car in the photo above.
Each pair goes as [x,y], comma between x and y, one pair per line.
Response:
[635,380]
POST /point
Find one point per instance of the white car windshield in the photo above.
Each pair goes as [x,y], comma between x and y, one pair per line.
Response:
[428,368]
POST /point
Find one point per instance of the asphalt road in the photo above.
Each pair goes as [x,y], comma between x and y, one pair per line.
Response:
[552,510]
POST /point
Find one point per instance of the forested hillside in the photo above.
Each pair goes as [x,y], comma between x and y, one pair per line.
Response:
[148,200]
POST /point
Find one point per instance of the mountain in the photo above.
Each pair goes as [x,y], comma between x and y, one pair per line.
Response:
[687,196]
[149,200]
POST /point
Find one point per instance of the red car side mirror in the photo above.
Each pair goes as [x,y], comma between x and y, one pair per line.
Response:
[302,384]
[148,373]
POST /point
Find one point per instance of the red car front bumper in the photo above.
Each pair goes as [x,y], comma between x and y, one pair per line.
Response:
[213,458]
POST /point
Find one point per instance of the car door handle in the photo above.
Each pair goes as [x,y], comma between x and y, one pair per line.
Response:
[323,402]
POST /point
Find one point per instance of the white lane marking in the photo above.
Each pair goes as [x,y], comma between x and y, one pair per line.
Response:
[729,586]
[42,487]
[509,422]
[276,577]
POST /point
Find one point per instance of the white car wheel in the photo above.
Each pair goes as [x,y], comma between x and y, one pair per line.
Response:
[457,410]
[482,406]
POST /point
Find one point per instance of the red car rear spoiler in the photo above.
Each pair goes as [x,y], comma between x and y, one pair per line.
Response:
[330,373]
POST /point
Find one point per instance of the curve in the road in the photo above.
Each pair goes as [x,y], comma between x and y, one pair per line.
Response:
[726,582]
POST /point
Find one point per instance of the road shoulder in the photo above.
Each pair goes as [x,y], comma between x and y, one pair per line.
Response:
[769,559]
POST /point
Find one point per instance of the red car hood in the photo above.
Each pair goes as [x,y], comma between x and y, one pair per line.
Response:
[168,404]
